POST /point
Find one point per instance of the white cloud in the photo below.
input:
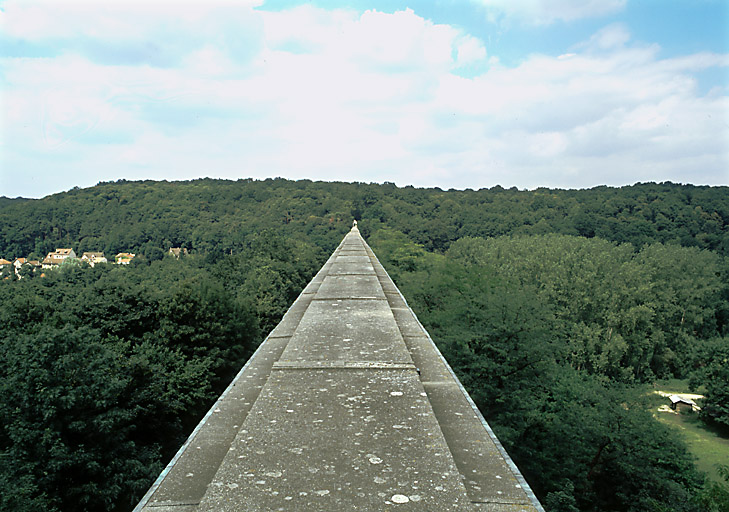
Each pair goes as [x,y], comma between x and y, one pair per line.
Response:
[342,95]
[610,37]
[614,117]
[543,12]
[117,19]
[470,50]
[157,33]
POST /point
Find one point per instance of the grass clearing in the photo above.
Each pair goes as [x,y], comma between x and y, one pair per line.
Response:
[676,386]
[706,444]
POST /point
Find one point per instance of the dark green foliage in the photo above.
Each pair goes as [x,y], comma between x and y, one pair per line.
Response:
[716,408]
[714,375]
[715,498]
[104,371]
[220,216]
[550,304]
[205,216]
[549,333]
[625,315]
[64,422]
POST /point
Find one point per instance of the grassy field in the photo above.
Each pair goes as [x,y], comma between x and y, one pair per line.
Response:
[705,444]
[677,386]
[708,447]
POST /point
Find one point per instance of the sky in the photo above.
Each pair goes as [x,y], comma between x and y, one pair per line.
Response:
[438,93]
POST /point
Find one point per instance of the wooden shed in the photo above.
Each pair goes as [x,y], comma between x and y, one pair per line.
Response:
[680,403]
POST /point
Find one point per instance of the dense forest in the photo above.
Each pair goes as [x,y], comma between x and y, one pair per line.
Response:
[553,306]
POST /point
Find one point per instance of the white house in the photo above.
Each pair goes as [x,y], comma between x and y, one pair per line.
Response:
[178,251]
[124,258]
[56,258]
[92,258]
[23,262]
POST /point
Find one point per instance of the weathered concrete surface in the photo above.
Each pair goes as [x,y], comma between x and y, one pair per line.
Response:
[189,477]
[290,321]
[347,405]
[350,286]
[355,330]
[486,475]
[351,265]
[338,439]
[432,369]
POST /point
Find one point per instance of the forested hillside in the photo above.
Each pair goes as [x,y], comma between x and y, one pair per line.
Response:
[218,216]
[553,334]
[553,306]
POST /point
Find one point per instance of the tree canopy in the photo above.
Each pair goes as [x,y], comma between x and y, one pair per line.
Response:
[553,306]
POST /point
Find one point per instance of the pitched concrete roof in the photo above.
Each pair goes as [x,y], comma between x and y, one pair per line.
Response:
[347,405]
[678,398]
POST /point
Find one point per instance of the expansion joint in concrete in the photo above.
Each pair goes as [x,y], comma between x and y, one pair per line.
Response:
[341,365]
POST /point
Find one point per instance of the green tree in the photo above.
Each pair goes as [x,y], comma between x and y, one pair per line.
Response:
[64,423]
[715,377]
[715,497]
[580,441]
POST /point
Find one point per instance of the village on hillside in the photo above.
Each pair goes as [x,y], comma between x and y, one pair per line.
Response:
[21,266]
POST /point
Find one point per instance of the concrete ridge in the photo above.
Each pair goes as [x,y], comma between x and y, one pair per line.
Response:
[346,405]
[520,478]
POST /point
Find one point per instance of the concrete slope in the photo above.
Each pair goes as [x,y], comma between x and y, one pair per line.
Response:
[347,405]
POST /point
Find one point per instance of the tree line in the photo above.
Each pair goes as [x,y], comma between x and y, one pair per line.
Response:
[558,338]
[209,215]
[553,306]
[105,371]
